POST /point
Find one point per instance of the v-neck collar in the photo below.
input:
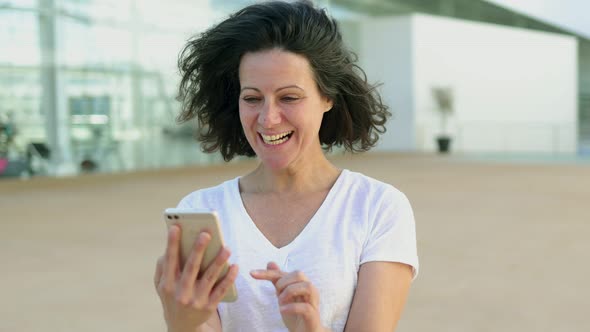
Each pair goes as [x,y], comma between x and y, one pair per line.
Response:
[257,234]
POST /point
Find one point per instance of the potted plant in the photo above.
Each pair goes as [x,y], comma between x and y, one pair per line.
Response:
[443,97]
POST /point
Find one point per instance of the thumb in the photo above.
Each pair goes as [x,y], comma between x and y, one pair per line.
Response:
[273,266]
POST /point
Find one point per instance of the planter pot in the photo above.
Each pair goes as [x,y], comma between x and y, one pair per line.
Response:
[444,144]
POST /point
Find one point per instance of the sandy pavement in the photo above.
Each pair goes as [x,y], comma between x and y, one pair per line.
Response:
[503,247]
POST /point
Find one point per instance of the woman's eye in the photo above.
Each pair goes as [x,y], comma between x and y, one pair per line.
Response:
[251,100]
[289,99]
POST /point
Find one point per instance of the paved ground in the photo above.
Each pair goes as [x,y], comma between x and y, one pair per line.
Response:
[502,247]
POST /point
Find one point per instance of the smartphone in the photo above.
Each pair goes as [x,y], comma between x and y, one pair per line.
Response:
[192,222]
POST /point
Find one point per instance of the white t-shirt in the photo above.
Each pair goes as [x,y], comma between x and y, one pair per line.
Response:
[361,220]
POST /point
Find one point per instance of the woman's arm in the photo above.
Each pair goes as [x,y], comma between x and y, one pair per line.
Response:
[380,296]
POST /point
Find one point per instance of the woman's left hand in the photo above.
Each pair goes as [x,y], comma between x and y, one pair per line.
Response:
[299,300]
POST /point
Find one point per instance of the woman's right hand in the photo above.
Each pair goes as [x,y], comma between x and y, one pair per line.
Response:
[189,297]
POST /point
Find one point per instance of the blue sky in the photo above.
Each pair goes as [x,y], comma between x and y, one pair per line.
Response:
[573,15]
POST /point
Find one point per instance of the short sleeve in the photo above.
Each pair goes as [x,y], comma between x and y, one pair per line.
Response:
[392,233]
[187,202]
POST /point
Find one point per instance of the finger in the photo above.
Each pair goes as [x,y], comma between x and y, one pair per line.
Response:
[223,286]
[158,273]
[297,292]
[273,266]
[291,278]
[298,308]
[170,265]
[270,275]
[193,264]
[209,278]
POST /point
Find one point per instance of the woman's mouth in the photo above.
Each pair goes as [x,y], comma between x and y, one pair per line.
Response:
[276,139]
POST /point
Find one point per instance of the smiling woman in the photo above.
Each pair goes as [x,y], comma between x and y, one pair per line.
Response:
[210,67]
[318,247]
[281,108]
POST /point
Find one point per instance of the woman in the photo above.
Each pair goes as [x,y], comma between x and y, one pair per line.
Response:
[318,248]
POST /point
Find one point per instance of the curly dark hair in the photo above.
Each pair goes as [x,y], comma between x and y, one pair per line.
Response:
[210,86]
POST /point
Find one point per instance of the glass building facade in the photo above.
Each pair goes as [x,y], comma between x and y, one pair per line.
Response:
[90,85]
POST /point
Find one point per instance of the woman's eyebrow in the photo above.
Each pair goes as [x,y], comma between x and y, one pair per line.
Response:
[289,86]
[278,89]
[248,88]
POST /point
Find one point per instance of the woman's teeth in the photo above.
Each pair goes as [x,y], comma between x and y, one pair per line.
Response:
[276,139]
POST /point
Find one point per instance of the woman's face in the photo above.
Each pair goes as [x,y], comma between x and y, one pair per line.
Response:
[281,108]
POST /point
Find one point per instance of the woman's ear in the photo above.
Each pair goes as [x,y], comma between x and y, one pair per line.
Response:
[329,104]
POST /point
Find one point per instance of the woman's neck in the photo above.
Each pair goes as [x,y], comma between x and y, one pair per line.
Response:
[303,178]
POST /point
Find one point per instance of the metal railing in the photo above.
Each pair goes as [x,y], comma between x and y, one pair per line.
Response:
[504,137]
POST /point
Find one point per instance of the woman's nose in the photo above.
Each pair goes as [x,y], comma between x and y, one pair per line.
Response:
[270,115]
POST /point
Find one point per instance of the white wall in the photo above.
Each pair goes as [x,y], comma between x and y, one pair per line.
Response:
[386,56]
[515,89]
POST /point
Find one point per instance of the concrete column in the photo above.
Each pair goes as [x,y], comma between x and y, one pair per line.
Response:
[139,116]
[52,103]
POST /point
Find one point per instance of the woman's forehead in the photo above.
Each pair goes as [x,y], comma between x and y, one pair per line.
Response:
[277,66]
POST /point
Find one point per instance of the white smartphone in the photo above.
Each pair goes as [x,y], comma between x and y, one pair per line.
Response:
[192,222]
